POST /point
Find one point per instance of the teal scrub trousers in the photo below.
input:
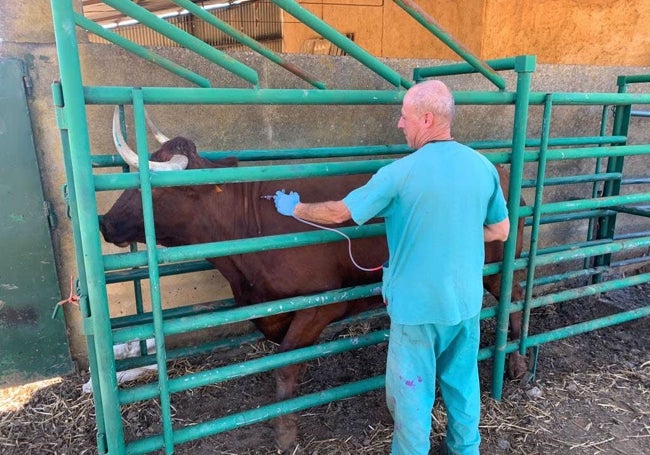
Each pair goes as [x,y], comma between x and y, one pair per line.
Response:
[417,355]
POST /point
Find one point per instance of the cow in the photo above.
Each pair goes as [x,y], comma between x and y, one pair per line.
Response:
[187,215]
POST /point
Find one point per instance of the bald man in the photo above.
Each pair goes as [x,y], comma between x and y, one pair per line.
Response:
[440,204]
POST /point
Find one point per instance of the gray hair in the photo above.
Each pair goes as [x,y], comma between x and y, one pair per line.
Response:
[433,96]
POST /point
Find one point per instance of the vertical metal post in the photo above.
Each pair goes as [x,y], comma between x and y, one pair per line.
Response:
[137,282]
[524,66]
[539,199]
[607,224]
[74,111]
[596,185]
[154,272]
[84,309]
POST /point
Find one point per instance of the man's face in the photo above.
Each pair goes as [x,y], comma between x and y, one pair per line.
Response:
[411,123]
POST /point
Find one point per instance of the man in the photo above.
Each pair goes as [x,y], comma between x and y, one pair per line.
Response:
[440,204]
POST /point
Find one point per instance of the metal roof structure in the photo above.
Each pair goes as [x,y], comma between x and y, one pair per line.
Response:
[99,12]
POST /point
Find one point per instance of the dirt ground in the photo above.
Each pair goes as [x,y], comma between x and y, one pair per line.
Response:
[591,395]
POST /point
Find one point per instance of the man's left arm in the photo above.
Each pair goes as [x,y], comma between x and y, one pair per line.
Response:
[497,232]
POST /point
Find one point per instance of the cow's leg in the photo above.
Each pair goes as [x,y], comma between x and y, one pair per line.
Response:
[517,363]
[286,426]
[304,330]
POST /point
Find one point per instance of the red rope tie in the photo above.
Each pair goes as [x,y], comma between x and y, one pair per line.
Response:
[72,298]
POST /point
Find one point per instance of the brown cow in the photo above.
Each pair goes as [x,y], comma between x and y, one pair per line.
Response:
[206,213]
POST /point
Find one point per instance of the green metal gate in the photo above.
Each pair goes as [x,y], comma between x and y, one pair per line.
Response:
[520,152]
[33,345]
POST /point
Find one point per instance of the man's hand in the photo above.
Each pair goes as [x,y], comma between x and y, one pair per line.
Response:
[286,203]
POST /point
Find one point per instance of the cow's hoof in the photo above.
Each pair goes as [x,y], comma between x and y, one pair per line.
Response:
[286,433]
[517,365]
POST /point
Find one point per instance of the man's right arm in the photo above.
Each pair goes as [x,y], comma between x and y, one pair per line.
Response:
[330,212]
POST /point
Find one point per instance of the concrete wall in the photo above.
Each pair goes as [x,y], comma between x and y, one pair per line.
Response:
[27,35]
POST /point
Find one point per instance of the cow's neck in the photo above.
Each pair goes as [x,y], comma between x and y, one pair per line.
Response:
[236,215]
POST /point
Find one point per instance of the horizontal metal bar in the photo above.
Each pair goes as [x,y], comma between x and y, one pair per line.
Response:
[363,150]
[187,95]
[589,251]
[639,211]
[630,261]
[570,246]
[633,79]
[104,182]
[635,181]
[587,326]
[222,344]
[246,368]
[573,153]
[572,274]
[238,314]
[279,154]
[241,246]
[591,152]
[576,329]
[591,99]
[461,68]
[631,235]
[165,270]
[592,289]
[121,181]
[552,142]
[233,342]
[112,95]
[259,414]
[171,313]
[582,204]
[570,217]
[574,293]
[564,253]
[640,113]
[573,179]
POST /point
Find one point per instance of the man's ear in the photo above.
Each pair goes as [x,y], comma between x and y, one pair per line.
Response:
[428,118]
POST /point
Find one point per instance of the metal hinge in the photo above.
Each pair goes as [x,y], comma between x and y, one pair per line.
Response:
[49,213]
[57,98]
[27,82]
[66,198]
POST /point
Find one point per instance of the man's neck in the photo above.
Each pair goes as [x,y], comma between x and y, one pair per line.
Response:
[435,139]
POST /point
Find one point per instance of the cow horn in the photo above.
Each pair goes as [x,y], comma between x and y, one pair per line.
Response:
[160,137]
[177,162]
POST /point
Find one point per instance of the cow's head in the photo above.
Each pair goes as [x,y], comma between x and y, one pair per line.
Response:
[174,207]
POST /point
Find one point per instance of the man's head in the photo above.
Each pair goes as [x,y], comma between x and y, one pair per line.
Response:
[427,113]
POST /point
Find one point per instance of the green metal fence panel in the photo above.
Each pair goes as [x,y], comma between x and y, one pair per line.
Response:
[33,344]
[97,269]
[524,66]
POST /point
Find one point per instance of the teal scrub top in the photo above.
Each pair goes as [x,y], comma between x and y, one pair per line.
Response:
[435,203]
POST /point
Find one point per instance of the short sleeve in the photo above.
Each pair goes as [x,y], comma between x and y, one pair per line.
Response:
[497,209]
[373,199]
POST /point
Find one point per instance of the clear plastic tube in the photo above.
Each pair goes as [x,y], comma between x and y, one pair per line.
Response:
[374,269]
